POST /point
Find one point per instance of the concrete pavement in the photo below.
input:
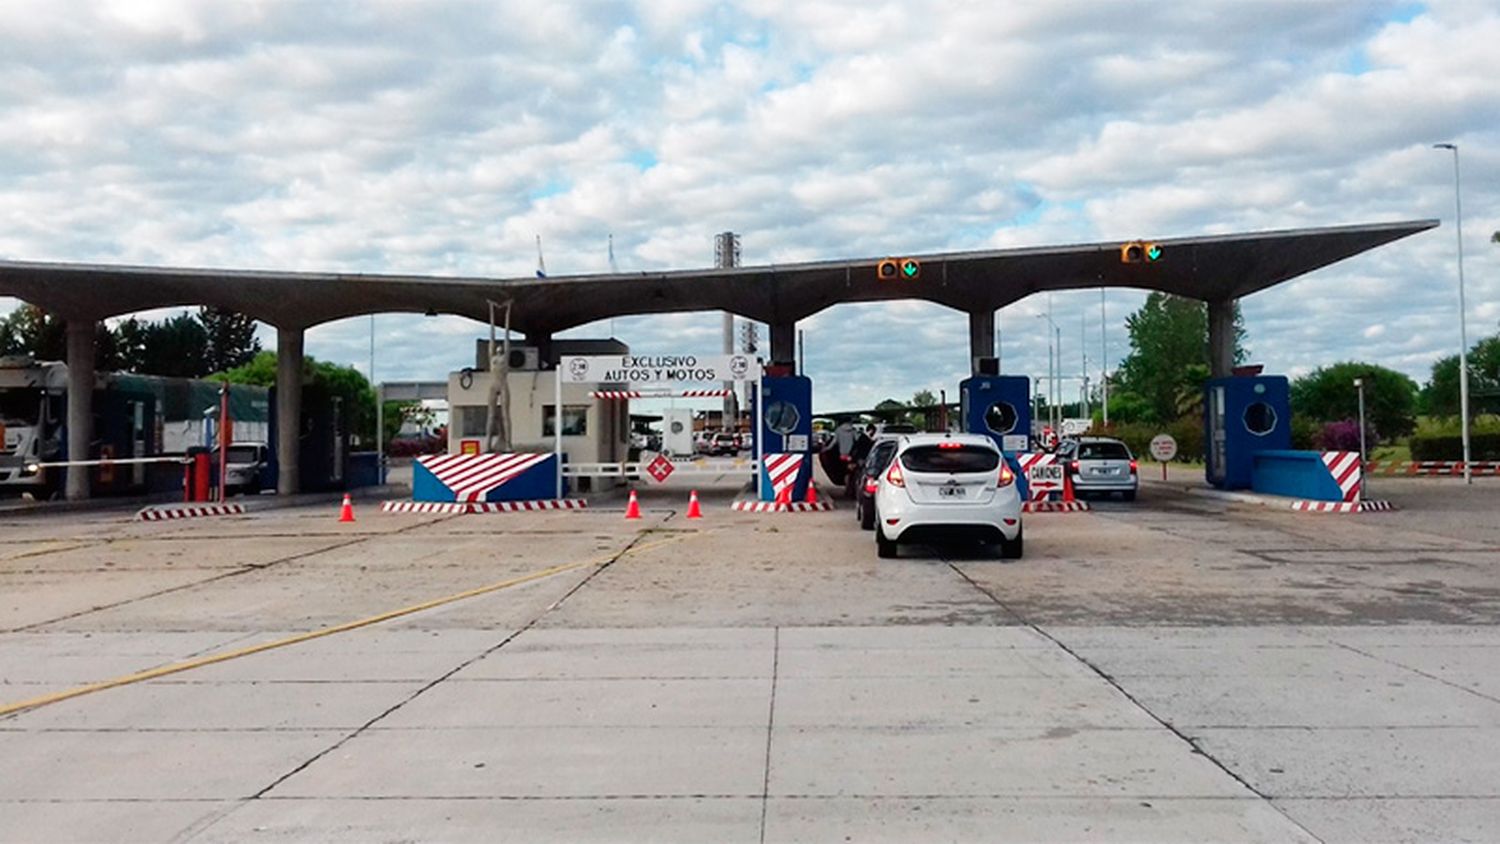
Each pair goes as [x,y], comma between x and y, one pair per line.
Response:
[1179,670]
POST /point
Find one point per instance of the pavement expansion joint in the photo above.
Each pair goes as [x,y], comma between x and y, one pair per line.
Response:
[1190,741]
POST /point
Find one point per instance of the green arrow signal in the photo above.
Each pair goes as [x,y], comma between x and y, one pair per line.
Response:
[909,268]
[1154,253]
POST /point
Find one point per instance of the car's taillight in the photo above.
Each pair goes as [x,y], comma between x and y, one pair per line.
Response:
[1007,477]
[871,485]
[1134,467]
[1073,467]
[950,444]
[894,475]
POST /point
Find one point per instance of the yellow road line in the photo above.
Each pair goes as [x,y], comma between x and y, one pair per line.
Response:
[55,547]
[199,662]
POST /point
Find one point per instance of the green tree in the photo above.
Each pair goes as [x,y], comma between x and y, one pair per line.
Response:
[344,382]
[1328,394]
[130,343]
[924,398]
[29,330]
[231,340]
[38,333]
[175,347]
[1168,359]
[1441,395]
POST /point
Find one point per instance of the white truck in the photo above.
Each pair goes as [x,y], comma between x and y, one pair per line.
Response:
[134,416]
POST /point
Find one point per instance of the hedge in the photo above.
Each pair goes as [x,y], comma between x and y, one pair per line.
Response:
[1188,432]
[1481,447]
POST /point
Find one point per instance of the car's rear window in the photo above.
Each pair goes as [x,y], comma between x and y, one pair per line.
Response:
[1103,451]
[879,457]
[963,458]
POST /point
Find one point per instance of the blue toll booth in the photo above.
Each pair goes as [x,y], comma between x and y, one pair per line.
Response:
[1243,416]
[785,430]
[999,406]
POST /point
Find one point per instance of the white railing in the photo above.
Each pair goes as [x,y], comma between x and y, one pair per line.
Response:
[737,466]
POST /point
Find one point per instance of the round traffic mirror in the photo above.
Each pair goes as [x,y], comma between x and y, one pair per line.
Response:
[782,417]
[1260,418]
[1001,418]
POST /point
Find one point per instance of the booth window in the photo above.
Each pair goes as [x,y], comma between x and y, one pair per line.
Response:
[471,420]
[782,417]
[575,420]
[1001,418]
[1260,418]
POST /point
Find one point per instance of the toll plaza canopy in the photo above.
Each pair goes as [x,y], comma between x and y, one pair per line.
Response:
[1217,269]
[1211,268]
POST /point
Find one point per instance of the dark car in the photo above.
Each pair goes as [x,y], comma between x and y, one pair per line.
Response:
[869,479]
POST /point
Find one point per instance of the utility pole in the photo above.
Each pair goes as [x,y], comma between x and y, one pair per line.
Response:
[727,256]
[1104,356]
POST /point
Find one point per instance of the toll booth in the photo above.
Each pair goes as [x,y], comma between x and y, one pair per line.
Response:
[1242,416]
[786,436]
[999,406]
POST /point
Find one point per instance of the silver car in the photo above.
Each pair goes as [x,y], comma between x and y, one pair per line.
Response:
[1102,465]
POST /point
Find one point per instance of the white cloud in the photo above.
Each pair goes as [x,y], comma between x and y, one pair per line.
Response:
[444,137]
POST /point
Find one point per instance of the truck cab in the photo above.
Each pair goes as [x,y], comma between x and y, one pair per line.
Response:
[31,409]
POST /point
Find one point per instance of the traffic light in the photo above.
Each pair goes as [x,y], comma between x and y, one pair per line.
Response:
[1139,252]
[898,269]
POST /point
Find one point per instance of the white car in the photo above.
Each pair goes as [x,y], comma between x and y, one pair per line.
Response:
[944,487]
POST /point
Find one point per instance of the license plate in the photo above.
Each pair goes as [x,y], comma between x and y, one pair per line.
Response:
[951,491]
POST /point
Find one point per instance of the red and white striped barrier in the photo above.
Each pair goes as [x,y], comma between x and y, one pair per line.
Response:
[658,394]
[1039,492]
[473,476]
[465,507]
[781,507]
[189,511]
[528,506]
[447,507]
[1432,468]
[1345,469]
[782,469]
[1054,506]
[1341,506]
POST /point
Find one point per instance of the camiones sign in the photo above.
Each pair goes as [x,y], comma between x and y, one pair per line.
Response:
[658,369]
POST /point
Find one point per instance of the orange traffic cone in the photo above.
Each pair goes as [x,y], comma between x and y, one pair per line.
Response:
[694,511]
[346,512]
[784,497]
[1067,487]
[812,493]
[633,509]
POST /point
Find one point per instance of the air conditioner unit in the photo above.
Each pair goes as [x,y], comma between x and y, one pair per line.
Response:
[524,359]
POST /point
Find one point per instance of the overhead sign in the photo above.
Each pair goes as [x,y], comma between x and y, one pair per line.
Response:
[658,369]
[1163,448]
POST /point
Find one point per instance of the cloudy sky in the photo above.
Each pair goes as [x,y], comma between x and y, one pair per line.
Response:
[444,138]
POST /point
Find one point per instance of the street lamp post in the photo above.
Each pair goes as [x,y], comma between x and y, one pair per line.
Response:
[1359,386]
[1463,328]
[1054,374]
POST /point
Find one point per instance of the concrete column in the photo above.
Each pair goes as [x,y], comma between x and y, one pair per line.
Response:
[80,405]
[288,409]
[784,342]
[1221,338]
[981,338]
[542,340]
